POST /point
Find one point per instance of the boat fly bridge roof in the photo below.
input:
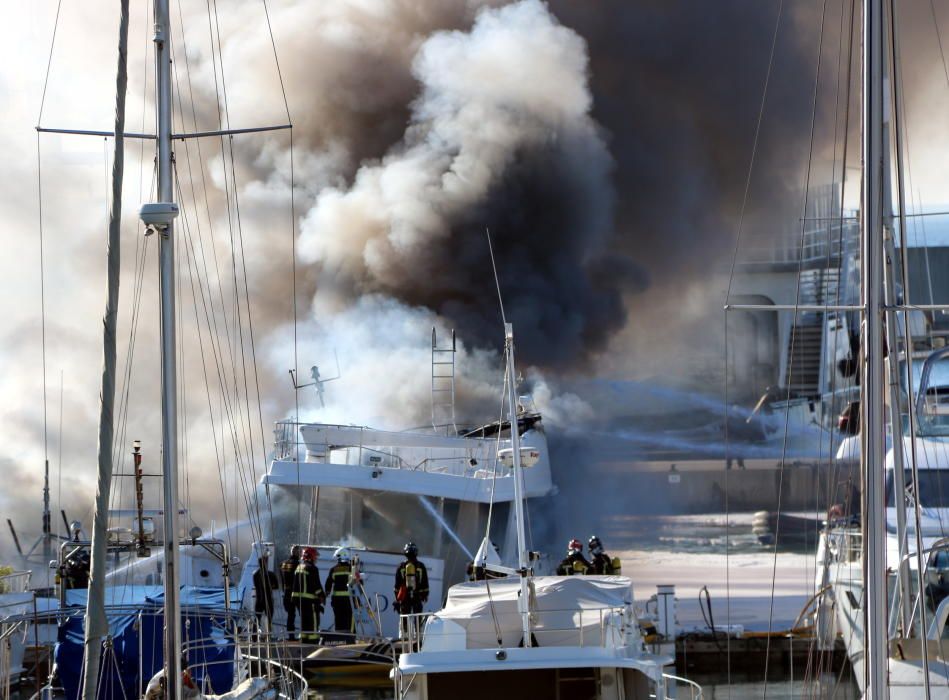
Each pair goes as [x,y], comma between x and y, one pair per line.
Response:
[580,621]
[467,468]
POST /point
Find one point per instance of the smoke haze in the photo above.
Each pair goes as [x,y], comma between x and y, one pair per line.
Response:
[605,144]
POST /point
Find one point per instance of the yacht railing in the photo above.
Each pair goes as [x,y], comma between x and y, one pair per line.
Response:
[695,690]
[845,543]
[288,683]
[286,441]
[15,582]
[592,627]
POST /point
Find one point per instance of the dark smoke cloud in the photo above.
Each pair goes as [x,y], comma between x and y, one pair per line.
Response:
[597,141]
[678,87]
[500,137]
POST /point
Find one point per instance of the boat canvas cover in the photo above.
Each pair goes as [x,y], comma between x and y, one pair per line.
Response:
[566,610]
[135,630]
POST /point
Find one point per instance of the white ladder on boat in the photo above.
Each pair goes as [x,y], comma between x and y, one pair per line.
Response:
[443,386]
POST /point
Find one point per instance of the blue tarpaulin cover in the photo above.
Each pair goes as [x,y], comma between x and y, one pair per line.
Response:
[136,622]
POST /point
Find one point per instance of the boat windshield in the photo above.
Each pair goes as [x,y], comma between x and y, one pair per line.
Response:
[933,485]
[933,418]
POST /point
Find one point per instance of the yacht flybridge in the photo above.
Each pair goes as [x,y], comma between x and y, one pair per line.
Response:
[409,462]
[428,485]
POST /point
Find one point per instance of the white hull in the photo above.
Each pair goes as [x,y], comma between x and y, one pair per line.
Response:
[905,665]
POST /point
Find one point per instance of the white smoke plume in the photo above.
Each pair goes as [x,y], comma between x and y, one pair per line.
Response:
[499,136]
[355,73]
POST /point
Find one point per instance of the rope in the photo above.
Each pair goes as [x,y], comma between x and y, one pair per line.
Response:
[797,299]
[825,659]
[218,451]
[273,43]
[731,276]
[296,362]
[49,64]
[39,197]
[39,191]
[754,147]
[896,87]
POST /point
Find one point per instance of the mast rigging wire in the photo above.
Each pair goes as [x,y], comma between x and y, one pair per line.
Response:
[896,91]
[797,299]
[741,218]
[824,659]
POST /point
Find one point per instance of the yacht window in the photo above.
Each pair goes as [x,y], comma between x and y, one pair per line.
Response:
[939,560]
[934,418]
[933,484]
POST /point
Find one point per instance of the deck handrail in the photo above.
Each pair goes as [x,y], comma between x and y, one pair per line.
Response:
[694,688]
[15,581]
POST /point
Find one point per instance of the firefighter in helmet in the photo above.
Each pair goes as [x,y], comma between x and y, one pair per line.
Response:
[339,590]
[265,581]
[288,570]
[574,563]
[76,569]
[600,562]
[308,591]
[411,583]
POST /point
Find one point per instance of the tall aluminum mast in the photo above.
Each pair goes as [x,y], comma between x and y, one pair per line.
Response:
[523,563]
[164,212]
[871,409]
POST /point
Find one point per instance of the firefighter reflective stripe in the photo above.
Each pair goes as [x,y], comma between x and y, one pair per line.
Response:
[307,583]
[579,567]
[341,576]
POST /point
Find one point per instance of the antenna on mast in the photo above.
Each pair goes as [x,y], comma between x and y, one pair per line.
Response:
[318,380]
[494,267]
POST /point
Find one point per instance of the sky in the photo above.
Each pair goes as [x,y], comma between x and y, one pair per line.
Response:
[605,144]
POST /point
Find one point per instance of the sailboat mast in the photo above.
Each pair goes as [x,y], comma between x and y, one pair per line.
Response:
[47,530]
[871,409]
[523,604]
[169,452]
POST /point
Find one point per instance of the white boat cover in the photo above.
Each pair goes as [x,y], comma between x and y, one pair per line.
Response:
[567,611]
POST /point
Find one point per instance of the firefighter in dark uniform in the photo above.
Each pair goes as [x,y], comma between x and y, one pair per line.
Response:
[339,591]
[76,569]
[308,591]
[601,563]
[265,581]
[411,583]
[574,563]
[288,570]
